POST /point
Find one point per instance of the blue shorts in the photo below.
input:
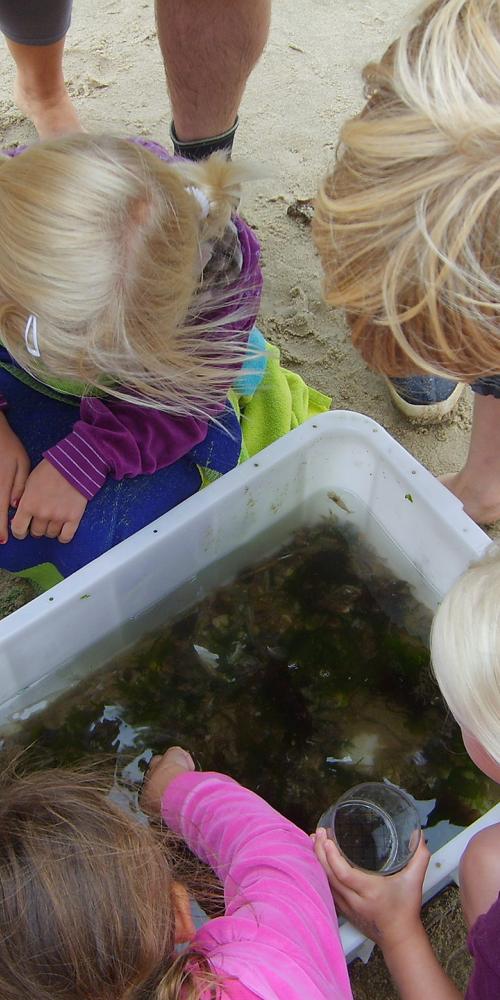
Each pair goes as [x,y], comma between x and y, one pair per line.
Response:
[488,385]
[121,507]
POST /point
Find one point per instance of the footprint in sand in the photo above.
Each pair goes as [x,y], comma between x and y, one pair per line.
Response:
[87,73]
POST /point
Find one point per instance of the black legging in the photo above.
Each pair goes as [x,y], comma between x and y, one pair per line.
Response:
[35,22]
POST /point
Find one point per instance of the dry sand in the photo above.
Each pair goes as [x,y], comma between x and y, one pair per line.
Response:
[306,84]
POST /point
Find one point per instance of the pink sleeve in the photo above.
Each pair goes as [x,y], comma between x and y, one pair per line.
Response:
[279,936]
[121,439]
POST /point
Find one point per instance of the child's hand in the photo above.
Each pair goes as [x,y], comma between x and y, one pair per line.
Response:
[386,908]
[14,471]
[161,771]
[49,506]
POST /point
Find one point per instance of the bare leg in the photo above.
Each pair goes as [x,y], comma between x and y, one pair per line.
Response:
[40,91]
[477,485]
[209,48]
[480,873]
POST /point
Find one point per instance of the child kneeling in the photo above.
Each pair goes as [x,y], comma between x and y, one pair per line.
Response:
[89,907]
[131,371]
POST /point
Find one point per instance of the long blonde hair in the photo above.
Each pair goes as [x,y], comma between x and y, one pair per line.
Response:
[465,651]
[101,241]
[408,221]
[86,899]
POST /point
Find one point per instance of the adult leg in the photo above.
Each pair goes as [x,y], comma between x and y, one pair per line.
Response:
[35,34]
[477,485]
[209,49]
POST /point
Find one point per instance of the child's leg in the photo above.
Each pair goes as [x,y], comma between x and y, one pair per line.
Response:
[480,873]
[477,485]
[120,508]
[35,34]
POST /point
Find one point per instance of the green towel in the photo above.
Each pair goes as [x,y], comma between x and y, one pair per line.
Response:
[282,402]
[44,576]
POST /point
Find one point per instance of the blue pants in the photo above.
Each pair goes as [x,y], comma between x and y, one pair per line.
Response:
[120,508]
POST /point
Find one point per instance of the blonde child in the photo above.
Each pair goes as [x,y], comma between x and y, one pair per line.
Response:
[129,289]
[465,649]
[408,228]
[89,907]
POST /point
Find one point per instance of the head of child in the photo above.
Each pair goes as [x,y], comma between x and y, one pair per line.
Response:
[465,651]
[407,221]
[88,905]
[102,243]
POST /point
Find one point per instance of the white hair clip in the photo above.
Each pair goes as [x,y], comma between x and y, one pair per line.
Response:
[31,336]
[202,200]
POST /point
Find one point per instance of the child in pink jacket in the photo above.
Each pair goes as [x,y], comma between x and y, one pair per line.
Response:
[89,907]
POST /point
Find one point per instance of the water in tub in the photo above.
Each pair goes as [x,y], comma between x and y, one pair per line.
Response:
[308,674]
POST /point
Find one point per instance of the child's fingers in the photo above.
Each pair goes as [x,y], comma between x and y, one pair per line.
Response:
[4,513]
[54,529]
[177,755]
[333,862]
[346,902]
[22,473]
[67,532]
[20,522]
[38,527]
[415,871]
[319,847]
[161,772]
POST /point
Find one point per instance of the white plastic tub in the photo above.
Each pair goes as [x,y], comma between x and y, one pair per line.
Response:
[341,463]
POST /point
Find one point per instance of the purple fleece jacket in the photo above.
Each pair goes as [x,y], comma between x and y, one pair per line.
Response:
[125,439]
[484,983]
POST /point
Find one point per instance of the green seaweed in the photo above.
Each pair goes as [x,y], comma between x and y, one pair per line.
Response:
[303,677]
[15,592]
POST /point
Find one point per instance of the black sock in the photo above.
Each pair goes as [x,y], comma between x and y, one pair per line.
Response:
[198,149]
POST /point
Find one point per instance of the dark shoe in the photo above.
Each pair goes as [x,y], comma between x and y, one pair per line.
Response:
[425,398]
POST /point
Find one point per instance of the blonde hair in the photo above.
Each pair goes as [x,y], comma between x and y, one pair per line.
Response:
[407,223]
[101,241]
[465,651]
[86,899]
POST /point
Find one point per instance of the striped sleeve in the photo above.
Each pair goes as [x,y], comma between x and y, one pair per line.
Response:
[79,463]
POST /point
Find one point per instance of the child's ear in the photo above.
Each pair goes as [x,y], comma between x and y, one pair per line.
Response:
[184,924]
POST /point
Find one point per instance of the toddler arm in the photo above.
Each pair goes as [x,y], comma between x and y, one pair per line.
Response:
[121,439]
[387,910]
[280,919]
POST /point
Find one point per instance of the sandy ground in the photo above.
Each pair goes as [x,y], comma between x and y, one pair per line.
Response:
[306,84]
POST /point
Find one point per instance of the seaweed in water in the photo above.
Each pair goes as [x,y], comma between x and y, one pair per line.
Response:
[15,592]
[303,677]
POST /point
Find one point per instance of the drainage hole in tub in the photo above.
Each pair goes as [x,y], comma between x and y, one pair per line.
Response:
[302,678]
